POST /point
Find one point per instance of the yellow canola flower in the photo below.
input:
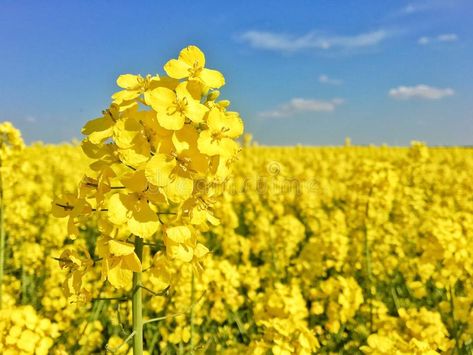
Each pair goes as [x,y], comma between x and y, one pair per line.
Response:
[198,212]
[72,206]
[134,211]
[182,245]
[100,129]
[119,261]
[178,165]
[173,107]
[10,140]
[191,64]
[222,128]
[135,85]
[77,266]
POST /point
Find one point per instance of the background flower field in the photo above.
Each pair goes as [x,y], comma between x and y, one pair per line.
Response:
[319,250]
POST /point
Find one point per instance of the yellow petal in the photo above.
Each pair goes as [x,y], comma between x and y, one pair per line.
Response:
[119,277]
[212,219]
[125,132]
[131,262]
[57,208]
[206,144]
[198,216]
[105,267]
[167,82]
[72,229]
[127,105]
[184,138]
[97,151]
[118,248]
[192,56]
[228,147]
[195,111]
[144,222]
[135,181]
[77,280]
[180,252]
[135,155]
[99,129]
[117,209]
[180,189]
[161,98]
[216,121]
[177,69]
[180,145]
[212,78]
[129,81]
[195,89]
[124,96]
[179,234]
[200,250]
[234,125]
[102,247]
[199,162]
[159,168]
[162,271]
[225,147]
[173,122]
[220,168]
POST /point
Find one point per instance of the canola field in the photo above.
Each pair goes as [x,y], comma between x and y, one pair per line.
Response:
[324,250]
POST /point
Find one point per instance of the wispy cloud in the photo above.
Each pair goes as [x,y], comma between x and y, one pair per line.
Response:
[445,37]
[423,6]
[30,119]
[300,105]
[313,40]
[413,8]
[325,79]
[420,92]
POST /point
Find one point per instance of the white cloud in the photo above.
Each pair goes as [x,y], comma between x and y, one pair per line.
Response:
[30,119]
[421,92]
[413,8]
[423,40]
[299,105]
[445,37]
[312,40]
[422,6]
[325,79]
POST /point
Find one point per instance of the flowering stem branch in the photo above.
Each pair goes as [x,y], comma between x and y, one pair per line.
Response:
[137,308]
[120,299]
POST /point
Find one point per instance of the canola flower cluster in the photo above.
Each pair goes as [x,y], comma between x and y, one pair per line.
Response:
[158,156]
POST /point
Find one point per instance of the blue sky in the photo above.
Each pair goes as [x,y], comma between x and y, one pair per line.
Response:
[309,72]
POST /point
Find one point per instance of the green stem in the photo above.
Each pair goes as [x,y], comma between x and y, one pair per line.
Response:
[137,306]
